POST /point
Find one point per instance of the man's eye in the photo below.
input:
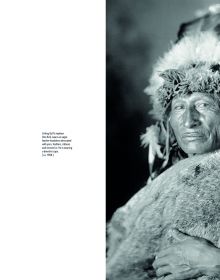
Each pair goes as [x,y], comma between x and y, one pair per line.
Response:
[178,107]
[202,105]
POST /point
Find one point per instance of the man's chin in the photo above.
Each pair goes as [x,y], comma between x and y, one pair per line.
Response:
[196,148]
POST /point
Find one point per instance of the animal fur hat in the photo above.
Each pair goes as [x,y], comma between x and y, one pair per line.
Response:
[191,65]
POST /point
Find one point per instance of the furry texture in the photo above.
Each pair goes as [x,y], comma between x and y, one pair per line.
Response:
[185,197]
[191,65]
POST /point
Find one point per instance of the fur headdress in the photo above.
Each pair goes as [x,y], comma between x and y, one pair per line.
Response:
[192,65]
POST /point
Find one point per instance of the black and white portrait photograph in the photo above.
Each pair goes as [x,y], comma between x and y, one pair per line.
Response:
[162,139]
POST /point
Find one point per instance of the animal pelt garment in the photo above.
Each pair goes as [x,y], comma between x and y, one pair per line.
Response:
[185,197]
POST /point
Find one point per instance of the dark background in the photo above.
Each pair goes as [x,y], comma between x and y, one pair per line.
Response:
[138,32]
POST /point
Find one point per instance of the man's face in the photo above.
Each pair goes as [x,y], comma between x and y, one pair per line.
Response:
[195,120]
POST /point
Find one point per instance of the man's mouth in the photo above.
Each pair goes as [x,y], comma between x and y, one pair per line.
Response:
[192,136]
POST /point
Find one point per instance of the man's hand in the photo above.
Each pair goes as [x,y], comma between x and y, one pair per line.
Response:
[189,258]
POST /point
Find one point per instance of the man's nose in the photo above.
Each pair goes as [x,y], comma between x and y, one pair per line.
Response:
[191,118]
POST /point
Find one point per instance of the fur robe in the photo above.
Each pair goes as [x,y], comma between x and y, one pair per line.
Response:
[185,197]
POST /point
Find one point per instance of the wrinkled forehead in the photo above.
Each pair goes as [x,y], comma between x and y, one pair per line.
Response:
[192,96]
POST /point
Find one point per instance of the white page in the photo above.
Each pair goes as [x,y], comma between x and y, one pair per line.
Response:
[52,80]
